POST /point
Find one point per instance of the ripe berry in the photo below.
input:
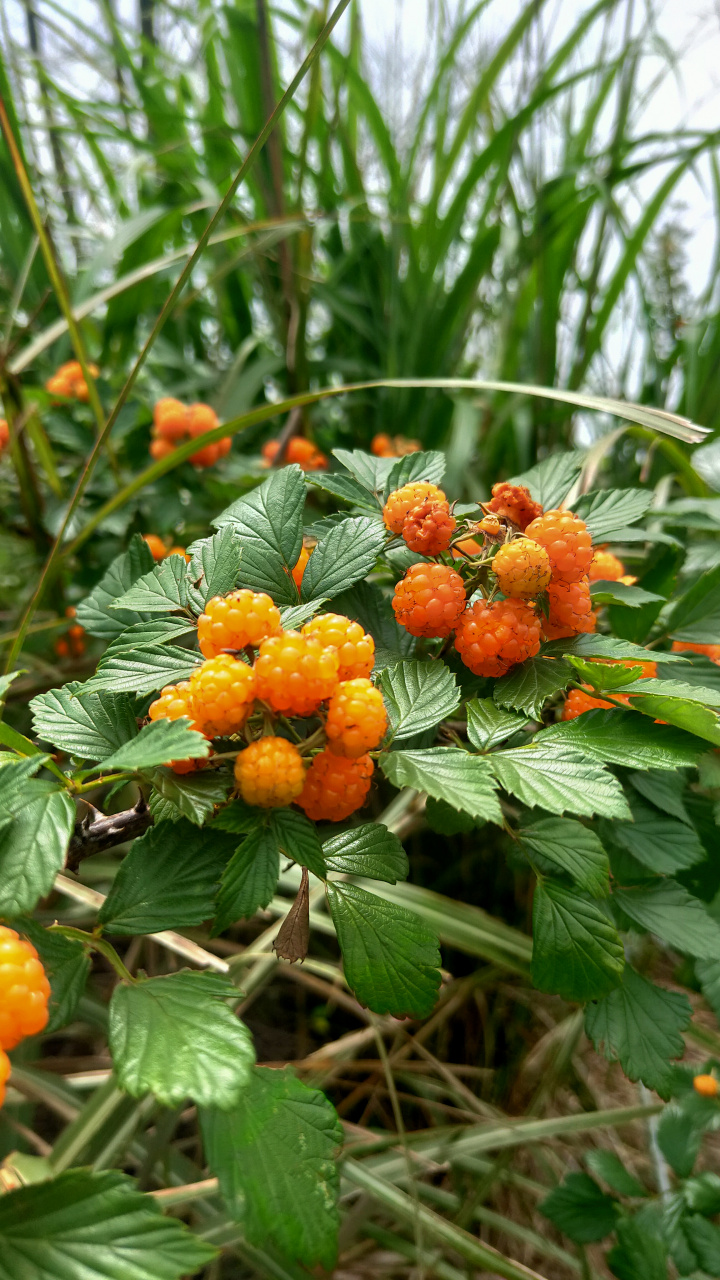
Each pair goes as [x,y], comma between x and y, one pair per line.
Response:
[570,610]
[270,773]
[522,568]
[605,567]
[578,702]
[491,525]
[179,551]
[4,434]
[355,649]
[70,381]
[711,651]
[429,600]
[174,702]
[201,418]
[514,503]
[402,501]
[4,1074]
[706,1085]
[492,636]
[300,567]
[429,527]
[24,990]
[468,547]
[156,545]
[161,449]
[356,719]
[170,420]
[222,692]
[384,446]
[235,620]
[295,673]
[567,542]
[335,787]
[299,450]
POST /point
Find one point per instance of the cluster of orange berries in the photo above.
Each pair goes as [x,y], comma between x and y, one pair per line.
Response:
[69,381]
[298,450]
[24,995]
[159,548]
[72,643]
[321,671]
[175,422]
[540,551]
[384,446]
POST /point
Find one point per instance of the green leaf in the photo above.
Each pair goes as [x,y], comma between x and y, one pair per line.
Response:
[675,689]
[162,590]
[94,613]
[684,713]
[369,850]
[250,878]
[190,795]
[297,838]
[695,616]
[176,1037]
[620,593]
[580,1209]
[602,676]
[571,847]
[90,726]
[446,821]
[269,524]
[664,790]
[157,743]
[168,880]
[390,958]
[274,1156]
[345,487]
[577,952]
[293,618]
[238,817]
[33,847]
[143,670]
[418,695]
[610,1168]
[370,471]
[153,632]
[528,686]
[607,511]
[97,1226]
[638,1255]
[599,646]
[559,779]
[67,967]
[679,1134]
[463,780]
[215,563]
[346,554]
[660,843]
[365,603]
[488,724]
[708,974]
[639,1025]
[703,1238]
[624,737]
[668,910]
[413,467]
[551,480]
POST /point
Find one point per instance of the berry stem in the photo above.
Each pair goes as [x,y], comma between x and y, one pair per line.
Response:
[95,943]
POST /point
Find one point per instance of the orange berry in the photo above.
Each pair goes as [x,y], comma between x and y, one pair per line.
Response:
[236,620]
[401,502]
[566,539]
[224,446]
[156,545]
[161,449]
[71,611]
[355,649]
[4,1074]
[295,673]
[382,446]
[578,702]
[514,503]
[76,640]
[711,651]
[206,457]
[298,450]
[180,551]
[469,546]
[335,787]
[300,567]
[707,1086]
[429,600]
[24,990]
[605,567]
[58,385]
[492,636]
[270,773]
[170,418]
[61,647]
[356,719]
[201,418]
[491,525]
[4,434]
[222,692]
[174,702]
[429,528]
[522,568]
[570,610]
